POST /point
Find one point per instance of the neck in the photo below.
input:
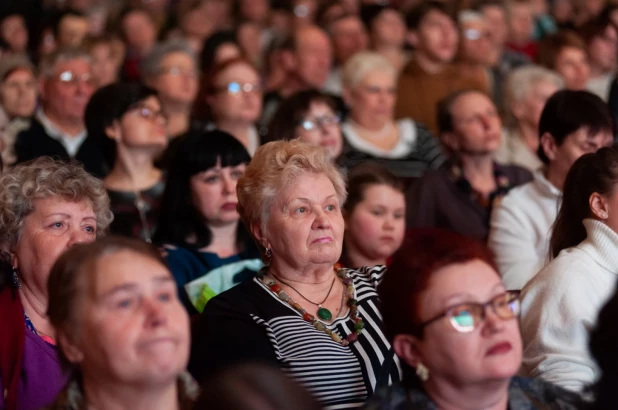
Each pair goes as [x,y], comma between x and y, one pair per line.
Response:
[428,65]
[101,395]
[355,258]
[36,309]
[529,135]
[597,71]
[292,85]
[177,119]
[477,397]
[133,170]
[370,123]
[479,171]
[313,276]
[70,127]
[238,129]
[224,240]
[554,177]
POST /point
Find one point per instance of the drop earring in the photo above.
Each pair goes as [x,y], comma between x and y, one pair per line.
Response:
[422,372]
[15,278]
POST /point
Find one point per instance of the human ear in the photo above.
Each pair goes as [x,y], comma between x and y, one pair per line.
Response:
[599,206]
[549,146]
[70,349]
[406,350]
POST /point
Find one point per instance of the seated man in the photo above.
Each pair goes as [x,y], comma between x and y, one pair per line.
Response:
[573,123]
[430,75]
[58,128]
[460,194]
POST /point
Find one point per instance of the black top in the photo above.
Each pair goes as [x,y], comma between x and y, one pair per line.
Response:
[441,199]
[34,142]
[248,322]
[127,219]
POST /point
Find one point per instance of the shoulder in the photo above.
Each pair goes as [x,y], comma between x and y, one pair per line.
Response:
[517,197]
[243,298]
[517,175]
[371,275]
[523,390]
[397,397]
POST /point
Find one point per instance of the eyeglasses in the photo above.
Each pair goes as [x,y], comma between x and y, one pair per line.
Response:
[150,114]
[468,316]
[236,88]
[320,122]
[178,72]
[69,77]
[474,34]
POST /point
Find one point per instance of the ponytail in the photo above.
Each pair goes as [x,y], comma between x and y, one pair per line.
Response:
[591,173]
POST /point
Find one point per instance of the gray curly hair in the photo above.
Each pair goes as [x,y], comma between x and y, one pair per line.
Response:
[44,178]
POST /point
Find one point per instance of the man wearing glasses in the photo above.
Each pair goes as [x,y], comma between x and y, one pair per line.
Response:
[58,128]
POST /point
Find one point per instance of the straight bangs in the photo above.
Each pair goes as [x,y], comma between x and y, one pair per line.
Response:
[204,150]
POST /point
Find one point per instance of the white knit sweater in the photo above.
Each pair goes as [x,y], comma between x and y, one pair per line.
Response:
[520,230]
[560,306]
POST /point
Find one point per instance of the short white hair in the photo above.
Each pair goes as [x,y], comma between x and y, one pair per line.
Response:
[521,81]
[363,63]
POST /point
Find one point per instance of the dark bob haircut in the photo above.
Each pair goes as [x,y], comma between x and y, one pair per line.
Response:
[567,111]
[196,152]
[212,45]
[292,111]
[110,103]
[416,15]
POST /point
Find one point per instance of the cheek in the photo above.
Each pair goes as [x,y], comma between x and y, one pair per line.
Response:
[363,226]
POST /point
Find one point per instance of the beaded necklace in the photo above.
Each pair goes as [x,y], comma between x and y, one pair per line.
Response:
[275,288]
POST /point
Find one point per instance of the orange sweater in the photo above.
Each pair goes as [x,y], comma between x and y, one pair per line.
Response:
[418,92]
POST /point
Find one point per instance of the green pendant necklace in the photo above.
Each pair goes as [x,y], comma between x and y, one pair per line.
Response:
[323,313]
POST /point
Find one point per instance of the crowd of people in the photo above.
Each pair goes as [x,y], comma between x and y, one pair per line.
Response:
[305,204]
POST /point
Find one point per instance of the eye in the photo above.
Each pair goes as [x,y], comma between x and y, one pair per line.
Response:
[398,215]
[331,207]
[57,225]
[377,212]
[237,174]
[301,210]
[124,303]
[165,297]
[91,229]
[212,179]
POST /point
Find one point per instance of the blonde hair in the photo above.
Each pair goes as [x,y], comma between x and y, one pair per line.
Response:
[275,166]
[363,63]
[46,178]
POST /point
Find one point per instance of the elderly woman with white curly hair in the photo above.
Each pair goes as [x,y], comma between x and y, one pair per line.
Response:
[303,312]
[527,90]
[45,208]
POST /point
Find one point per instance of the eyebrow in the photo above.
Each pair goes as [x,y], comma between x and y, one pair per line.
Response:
[129,287]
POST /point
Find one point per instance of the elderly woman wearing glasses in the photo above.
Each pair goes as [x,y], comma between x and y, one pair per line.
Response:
[127,120]
[311,116]
[404,147]
[454,326]
[232,92]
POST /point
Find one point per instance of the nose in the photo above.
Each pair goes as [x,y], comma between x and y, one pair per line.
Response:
[154,310]
[229,185]
[493,323]
[321,221]
[80,236]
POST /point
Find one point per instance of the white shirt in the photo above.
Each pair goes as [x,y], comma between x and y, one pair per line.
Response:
[333,83]
[405,145]
[520,229]
[70,142]
[561,304]
[601,85]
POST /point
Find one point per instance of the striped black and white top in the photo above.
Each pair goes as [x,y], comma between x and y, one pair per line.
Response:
[249,322]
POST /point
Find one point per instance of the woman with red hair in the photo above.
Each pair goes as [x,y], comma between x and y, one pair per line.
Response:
[454,327]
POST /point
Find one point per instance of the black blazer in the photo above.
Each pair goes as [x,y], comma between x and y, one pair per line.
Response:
[34,142]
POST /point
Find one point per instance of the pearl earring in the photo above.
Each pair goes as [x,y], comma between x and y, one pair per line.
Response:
[422,372]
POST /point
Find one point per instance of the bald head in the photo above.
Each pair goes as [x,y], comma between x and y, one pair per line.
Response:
[313,55]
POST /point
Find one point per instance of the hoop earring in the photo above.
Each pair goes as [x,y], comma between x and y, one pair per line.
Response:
[268,254]
[422,372]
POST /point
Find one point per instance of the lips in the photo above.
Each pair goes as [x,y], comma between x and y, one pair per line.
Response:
[387,238]
[323,239]
[499,349]
[229,206]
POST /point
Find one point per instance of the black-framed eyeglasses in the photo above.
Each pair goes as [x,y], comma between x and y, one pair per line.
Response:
[466,317]
[319,122]
[235,88]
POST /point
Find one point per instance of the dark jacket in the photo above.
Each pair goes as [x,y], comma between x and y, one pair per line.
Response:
[437,201]
[34,142]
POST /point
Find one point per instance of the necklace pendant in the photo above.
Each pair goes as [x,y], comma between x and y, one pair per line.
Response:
[324,314]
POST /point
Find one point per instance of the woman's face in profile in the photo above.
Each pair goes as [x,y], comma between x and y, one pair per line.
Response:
[132,328]
[491,351]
